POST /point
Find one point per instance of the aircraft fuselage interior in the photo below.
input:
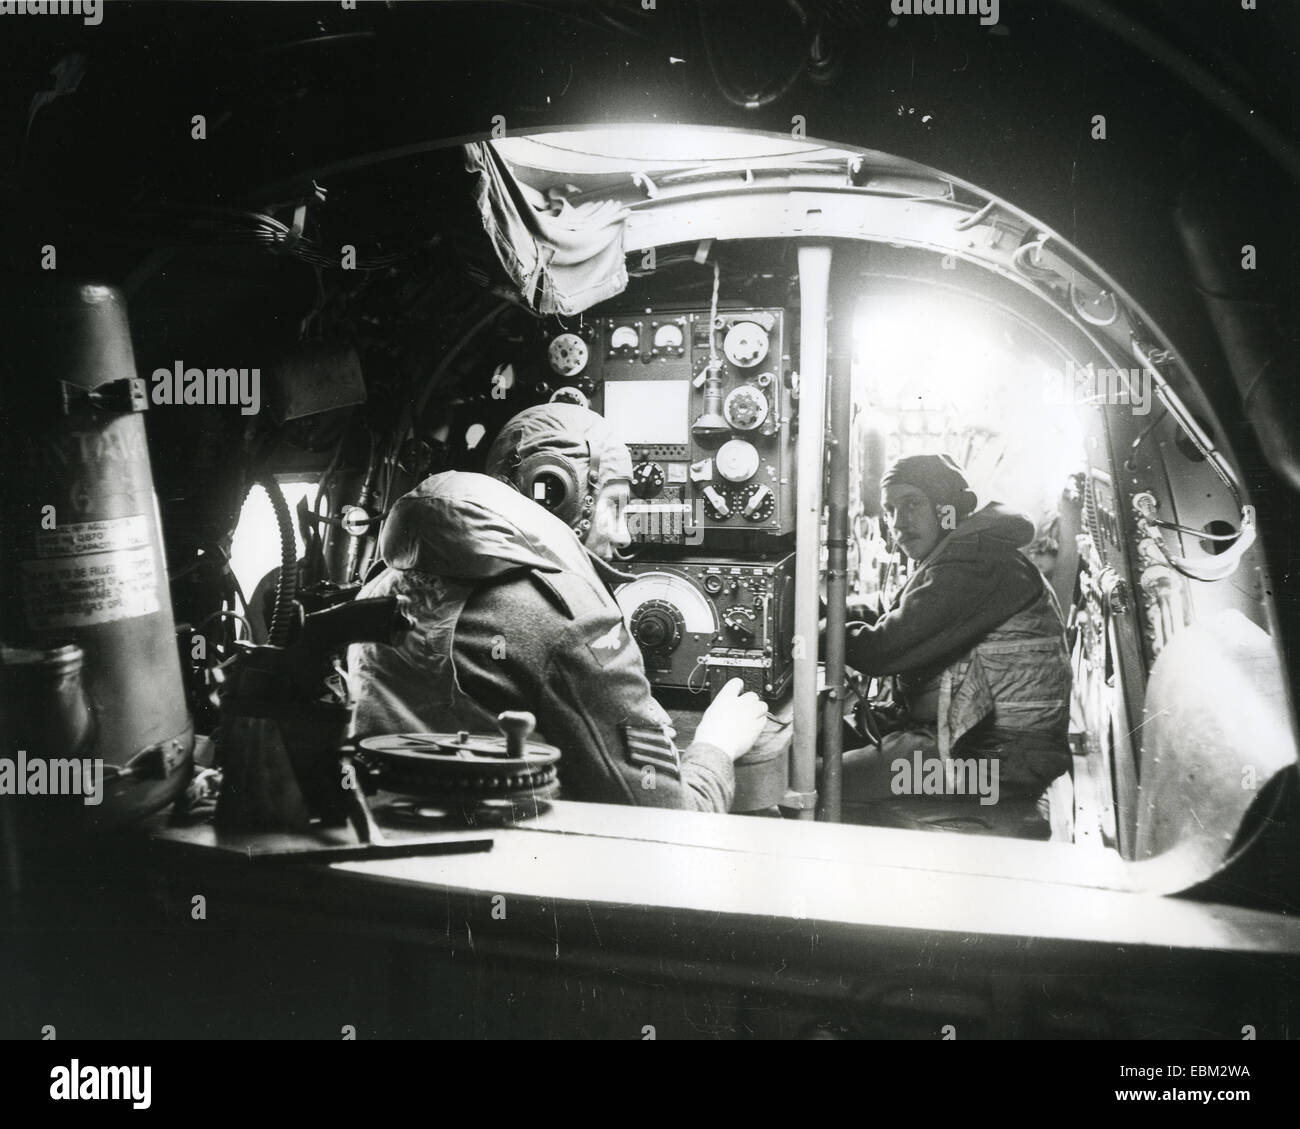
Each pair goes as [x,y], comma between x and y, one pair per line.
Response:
[218,397]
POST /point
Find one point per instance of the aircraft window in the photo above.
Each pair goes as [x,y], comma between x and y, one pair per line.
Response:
[255,548]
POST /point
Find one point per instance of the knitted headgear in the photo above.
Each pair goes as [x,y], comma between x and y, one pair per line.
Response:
[938,477]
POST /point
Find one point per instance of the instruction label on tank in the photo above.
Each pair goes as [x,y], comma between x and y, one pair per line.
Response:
[92,572]
[94,537]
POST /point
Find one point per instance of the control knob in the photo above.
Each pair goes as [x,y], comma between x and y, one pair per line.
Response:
[657,626]
[647,479]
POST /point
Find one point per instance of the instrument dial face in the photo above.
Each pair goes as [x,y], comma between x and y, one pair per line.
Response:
[697,613]
[647,479]
[625,337]
[669,337]
[745,408]
[567,354]
[746,344]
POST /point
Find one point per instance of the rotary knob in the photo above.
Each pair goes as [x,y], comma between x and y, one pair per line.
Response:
[745,408]
[736,460]
[647,479]
[757,502]
[716,504]
[740,622]
[657,626]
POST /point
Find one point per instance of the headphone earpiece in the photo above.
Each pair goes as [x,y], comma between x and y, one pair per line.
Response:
[552,482]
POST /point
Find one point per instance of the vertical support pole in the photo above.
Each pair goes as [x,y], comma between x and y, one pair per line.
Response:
[837,535]
[814,287]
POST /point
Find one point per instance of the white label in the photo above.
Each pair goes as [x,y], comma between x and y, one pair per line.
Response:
[94,537]
[92,572]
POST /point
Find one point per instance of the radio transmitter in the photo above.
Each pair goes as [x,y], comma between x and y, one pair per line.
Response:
[704,406]
[700,622]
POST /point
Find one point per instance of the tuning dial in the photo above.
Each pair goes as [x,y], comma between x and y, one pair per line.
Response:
[647,479]
[745,408]
[736,460]
[657,626]
[757,503]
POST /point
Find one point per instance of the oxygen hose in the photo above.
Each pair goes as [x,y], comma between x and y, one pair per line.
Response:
[286,587]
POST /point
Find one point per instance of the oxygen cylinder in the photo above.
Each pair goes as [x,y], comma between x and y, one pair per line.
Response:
[87,625]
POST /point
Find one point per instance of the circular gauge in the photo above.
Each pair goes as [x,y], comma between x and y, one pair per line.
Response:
[625,337]
[657,626]
[647,479]
[669,337]
[757,502]
[567,354]
[712,584]
[736,460]
[745,408]
[662,588]
[746,344]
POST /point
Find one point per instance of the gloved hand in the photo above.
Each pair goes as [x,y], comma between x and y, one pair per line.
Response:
[733,720]
[862,610]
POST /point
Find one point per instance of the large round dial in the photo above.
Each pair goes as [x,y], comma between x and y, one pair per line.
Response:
[567,354]
[647,479]
[745,408]
[662,588]
[736,460]
[746,344]
[657,626]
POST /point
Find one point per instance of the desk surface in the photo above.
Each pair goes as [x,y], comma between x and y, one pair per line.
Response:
[852,879]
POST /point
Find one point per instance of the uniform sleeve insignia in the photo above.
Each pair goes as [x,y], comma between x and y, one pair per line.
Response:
[605,646]
[652,745]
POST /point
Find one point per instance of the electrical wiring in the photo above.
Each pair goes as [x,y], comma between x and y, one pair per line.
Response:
[1019,260]
[1195,532]
[226,613]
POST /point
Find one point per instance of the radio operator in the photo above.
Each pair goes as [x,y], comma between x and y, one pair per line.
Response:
[973,639]
[507,576]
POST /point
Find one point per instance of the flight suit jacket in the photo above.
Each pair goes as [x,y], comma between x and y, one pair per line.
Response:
[976,642]
[512,613]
